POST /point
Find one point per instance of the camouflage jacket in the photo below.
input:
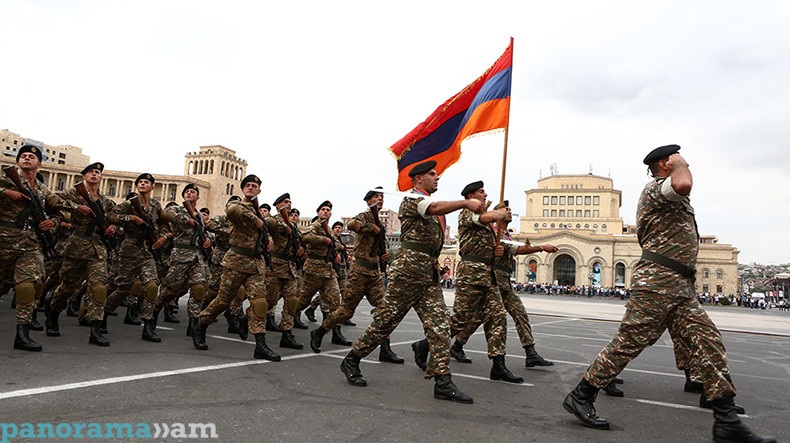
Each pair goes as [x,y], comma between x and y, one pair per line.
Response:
[425,231]
[185,249]
[476,246]
[281,267]
[362,225]
[134,240]
[317,251]
[243,236]
[220,227]
[86,239]
[507,260]
[667,228]
[24,239]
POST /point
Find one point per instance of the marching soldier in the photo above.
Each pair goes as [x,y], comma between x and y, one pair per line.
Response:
[85,256]
[414,283]
[663,294]
[220,227]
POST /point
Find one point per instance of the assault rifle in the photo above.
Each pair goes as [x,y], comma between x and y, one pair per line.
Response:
[294,242]
[331,252]
[262,243]
[99,217]
[379,247]
[149,230]
[199,236]
[34,209]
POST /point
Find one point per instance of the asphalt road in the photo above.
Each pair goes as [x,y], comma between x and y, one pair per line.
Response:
[306,398]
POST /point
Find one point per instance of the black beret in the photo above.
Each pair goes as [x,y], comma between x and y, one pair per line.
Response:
[145,176]
[314,219]
[266,206]
[281,198]
[190,186]
[472,187]
[130,195]
[171,204]
[422,168]
[205,210]
[326,203]
[250,178]
[337,223]
[372,193]
[32,149]
[234,198]
[97,165]
[294,211]
[661,152]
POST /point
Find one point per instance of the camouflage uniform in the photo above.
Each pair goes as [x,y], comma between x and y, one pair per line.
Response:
[21,259]
[663,298]
[414,283]
[478,293]
[84,259]
[319,274]
[241,267]
[220,227]
[136,261]
[365,277]
[281,279]
[188,269]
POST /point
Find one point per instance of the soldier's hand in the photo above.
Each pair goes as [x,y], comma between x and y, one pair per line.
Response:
[15,195]
[136,220]
[376,229]
[300,251]
[258,223]
[499,251]
[46,225]
[191,221]
[550,248]
[158,244]
[85,210]
[110,231]
[65,225]
[327,240]
[270,246]
[206,244]
[337,259]
[475,206]
[676,161]
[385,256]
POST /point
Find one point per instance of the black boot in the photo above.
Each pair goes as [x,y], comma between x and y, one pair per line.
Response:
[298,324]
[310,314]
[349,323]
[613,391]
[262,350]
[73,308]
[708,404]
[191,324]
[103,324]
[421,350]
[244,327]
[199,336]
[386,353]
[500,372]
[53,325]
[533,359]
[350,367]
[22,340]
[580,403]
[271,325]
[692,386]
[95,336]
[289,341]
[457,352]
[727,426]
[130,318]
[169,316]
[445,389]
[316,337]
[34,324]
[233,323]
[149,329]
[338,339]
[618,380]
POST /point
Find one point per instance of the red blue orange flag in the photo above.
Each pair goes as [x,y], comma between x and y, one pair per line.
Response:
[482,106]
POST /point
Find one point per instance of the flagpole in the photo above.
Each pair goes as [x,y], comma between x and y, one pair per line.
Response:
[501,225]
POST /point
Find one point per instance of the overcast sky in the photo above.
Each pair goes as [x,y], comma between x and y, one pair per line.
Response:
[312,94]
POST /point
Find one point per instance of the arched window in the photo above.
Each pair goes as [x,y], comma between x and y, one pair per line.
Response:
[603,228]
[552,226]
[705,273]
[578,226]
[619,275]
[544,225]
[211,168]
[536,226]
[595,228]
[586,226]
[719,274]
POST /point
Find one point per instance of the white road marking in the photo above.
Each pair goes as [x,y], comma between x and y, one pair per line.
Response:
[555,321]
[677,406]
[341,357]
[477,377]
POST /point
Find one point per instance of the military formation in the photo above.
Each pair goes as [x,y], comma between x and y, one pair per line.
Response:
[76,251]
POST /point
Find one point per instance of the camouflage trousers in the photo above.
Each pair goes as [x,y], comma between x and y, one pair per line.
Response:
[515,307]
[255,289]
[404,293]
[183,277]
[473,302]
[73,273]
[23,268]
[329,292]
[140,267]
[359,285]
[683,355]
[647,316]
[284,288]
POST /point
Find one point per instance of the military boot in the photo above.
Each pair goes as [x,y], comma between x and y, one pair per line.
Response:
[533,359]
[310,314]
[613,391]
[244,327]
[421,350]
[34,324]
[170,316]
[445,389]
[349,323]
[692,386]
[96,338]
[191,325]
[233,322]
[580,402]
[457,352]
[73,308]
[103,325]
[289,341]
[130,318]
[727,426]
[316,337]
[199,336]
[350,367]
[149,329]
[500,372]
[23,341]
[53,324]
[298,324]
[386,353]
[271,325]
[262,350]
[338,339]
[708,404]
[618,380]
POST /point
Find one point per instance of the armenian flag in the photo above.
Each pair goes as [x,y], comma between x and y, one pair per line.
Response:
[482,106]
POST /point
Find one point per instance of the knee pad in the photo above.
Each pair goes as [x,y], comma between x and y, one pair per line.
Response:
[137,288]
[240,293]
[260,307]
[99,294]
[39,287]
[151,291]
[25,293]
[198,292]
[292,303]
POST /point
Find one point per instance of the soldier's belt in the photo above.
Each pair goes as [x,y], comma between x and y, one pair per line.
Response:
[244,251]
[366,264]
[317,257]
[419,247]
[7,224]
[477,259]
[503,268]
[85,235]
[189,246]
[280,256]
[675,265]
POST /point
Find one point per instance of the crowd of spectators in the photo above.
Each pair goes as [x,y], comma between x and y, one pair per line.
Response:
[746,301]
